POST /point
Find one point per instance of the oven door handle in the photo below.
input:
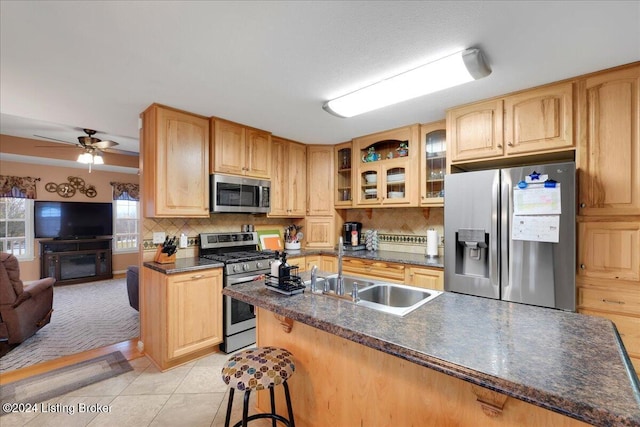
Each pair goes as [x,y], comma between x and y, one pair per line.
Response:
[236,281]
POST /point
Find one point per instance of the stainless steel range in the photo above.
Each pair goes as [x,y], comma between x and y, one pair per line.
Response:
[242,263]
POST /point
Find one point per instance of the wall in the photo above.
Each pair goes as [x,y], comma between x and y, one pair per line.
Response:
[30,270]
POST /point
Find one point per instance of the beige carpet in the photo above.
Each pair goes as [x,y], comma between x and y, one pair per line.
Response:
[85,316]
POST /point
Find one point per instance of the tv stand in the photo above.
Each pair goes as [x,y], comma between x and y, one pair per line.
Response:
[76,260]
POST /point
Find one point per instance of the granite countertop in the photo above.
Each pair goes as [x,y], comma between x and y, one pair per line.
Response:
[387,256]
[183,265]
[566,362]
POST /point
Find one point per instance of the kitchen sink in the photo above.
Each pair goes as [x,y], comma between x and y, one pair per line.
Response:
[395,299]
[390,298]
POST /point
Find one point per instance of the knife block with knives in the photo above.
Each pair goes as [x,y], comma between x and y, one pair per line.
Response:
[166,252]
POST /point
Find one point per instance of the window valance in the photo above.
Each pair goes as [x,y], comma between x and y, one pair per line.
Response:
[125,191]
[22,187]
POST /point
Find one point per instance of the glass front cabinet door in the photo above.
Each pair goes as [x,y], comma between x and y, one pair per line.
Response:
[433,163]
[387,165]
[344,196]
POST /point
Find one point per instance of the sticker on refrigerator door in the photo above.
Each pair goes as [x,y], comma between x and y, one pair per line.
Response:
[537,199]
[536,228]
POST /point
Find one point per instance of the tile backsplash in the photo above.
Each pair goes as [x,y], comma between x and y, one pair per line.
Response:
[401,229]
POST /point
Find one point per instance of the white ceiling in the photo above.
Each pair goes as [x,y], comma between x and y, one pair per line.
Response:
[67,65]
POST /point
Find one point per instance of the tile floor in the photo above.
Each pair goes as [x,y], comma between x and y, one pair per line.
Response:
[192,395]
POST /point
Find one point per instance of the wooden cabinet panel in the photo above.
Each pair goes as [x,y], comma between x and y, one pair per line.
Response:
[240,150]
[424,278]
[258,153]
[610,176]
[539,120]
[609,250]
[374,269]
[395,168]
[611,300]
[475,131]
[433,163]
[329,263]
[343,196]
[175,152]
[289,179]
[180,315]
[319,232]
[194,312]
[320,180]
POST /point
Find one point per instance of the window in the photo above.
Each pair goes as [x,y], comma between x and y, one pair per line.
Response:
[16,227]
[125,233]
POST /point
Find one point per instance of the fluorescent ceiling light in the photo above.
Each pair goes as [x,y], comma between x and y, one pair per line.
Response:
[453,70]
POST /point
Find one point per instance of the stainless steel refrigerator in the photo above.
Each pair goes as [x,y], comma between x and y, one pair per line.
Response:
[510,234]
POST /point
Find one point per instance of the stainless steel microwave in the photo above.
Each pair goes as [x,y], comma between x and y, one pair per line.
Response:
[239,194]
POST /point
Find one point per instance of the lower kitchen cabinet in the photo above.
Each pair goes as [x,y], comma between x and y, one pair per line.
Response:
[181,315]
[324,263]
[424,277]
[373,269]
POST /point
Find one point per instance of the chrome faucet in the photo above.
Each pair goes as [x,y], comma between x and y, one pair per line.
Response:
[340,279]
[314,280]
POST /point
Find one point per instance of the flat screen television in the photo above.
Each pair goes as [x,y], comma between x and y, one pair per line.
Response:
[72,220]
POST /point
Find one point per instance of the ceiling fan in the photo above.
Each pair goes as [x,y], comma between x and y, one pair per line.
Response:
[92,147]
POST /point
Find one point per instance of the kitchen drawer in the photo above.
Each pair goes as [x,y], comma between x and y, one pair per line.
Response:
[373,269]
[608,300]
[628,327]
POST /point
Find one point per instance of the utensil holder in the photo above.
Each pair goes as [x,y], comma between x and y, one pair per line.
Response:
[162,258]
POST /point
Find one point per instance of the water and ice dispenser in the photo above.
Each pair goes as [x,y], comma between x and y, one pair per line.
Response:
[472,257]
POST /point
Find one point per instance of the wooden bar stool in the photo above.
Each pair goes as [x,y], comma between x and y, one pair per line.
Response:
[258,369]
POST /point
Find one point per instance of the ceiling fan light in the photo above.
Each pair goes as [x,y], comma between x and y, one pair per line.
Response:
[452,70]
[97,159]
[85,158]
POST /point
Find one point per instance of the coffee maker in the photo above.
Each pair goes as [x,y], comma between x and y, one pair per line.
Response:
[351,236]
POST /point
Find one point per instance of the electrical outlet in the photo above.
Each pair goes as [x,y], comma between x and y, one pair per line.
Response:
[158,237]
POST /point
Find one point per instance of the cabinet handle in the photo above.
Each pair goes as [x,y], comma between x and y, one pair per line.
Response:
[197,276]
[510,144]
[583,205]
[499,145]
[608,301]
[583,267]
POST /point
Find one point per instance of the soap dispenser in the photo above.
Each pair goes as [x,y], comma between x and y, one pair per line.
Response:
[275,266]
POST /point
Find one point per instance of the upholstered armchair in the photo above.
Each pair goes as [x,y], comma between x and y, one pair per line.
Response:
[24,307]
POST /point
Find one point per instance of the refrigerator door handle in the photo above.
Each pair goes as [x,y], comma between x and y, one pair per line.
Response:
[494,246]
[505,232]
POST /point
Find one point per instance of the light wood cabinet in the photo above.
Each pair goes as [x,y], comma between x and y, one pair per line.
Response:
[181,315]
[299,261]
[320,180]
[535,121]
[610,153]
[433,163]
[386,168]
[240,150]
[609,250]
[381,270]
[319,232]
[343,179]
[288,179]
[174,158]
[424,277]
[324,263]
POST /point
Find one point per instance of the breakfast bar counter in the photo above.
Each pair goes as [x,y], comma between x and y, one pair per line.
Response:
[571,365]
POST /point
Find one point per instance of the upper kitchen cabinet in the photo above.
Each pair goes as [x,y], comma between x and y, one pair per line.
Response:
[320,180]
[386,167]
[433,163]
[288,179]
[343,159]
[610,163]
[175,163]
[531,122]
[240,150]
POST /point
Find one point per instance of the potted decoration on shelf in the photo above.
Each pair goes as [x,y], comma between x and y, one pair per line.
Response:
[371,155]
[403,149]
[292,237]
